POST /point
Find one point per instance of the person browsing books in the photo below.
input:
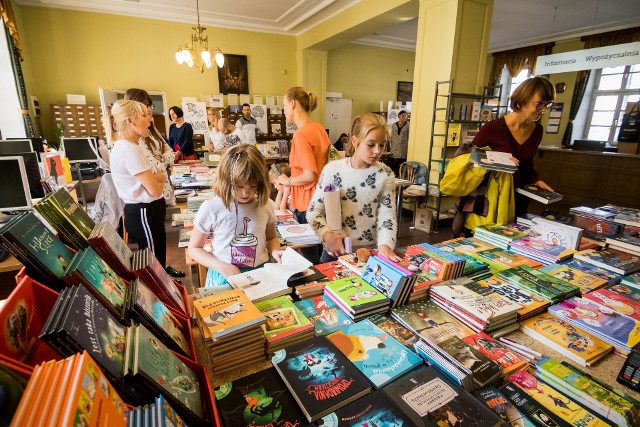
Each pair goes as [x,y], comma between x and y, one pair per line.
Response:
[399,142]
[520,133]
[240,218]
[248,124]
[232,135]
[309,151]
[367,193]
[216,138]
[138,183]
[181,135]
[284,193]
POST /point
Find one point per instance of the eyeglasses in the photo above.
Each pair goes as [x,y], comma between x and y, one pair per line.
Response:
[152,106]
[541,105]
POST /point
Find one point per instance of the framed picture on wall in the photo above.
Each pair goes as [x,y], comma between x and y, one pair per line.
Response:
[233,77]
[405,90]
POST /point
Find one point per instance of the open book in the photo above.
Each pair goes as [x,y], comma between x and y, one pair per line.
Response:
[271,279]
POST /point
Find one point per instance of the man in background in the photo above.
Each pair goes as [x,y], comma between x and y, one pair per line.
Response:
[399,142]
[232,135]
[248,124]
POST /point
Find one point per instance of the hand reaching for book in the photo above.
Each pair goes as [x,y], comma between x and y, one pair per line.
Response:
[333,244]
[228,270]
[540,183]
[387,252]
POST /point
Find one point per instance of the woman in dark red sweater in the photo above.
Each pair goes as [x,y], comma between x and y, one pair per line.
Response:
[520,133]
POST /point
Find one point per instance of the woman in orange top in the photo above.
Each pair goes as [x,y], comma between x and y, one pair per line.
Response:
[309,150]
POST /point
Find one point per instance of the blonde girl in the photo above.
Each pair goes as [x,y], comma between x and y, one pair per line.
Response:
[284,192]
[367,193]
[240,218]
[216,138]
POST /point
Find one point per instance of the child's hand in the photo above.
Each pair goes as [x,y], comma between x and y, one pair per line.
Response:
[283,179]
[228,270]
[333,244]
[387,252]
[277,255]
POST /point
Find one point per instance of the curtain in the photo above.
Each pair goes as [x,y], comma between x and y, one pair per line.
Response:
[516,59]
[6,13]
[599,40]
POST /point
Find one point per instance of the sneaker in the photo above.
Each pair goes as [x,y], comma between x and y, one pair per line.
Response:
[173,272]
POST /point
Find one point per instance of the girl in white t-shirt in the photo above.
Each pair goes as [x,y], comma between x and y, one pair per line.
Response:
[240,218]
[216,138]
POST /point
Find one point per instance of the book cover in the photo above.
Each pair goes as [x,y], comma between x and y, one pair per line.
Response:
[283,319]
[538,194]
[610,259]
[501,231]
[506,259]
[356,294]
[73,213]
[625,241]
[557,233]
[428,398]
[508,360]
[532,409]
[323,313]
[483,369]
[374,409]
[388,280]
[352,262]
[320,378]
[544,285]
[376,354]
[227,312]
[468,246]
[617,302]
[477,300]
[529,302]
[585,281]
[104,234]
[454,134]
[392,327]
[503,407]
[611,277]
[259,399]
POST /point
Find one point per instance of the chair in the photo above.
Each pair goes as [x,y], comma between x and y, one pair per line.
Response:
[416,191]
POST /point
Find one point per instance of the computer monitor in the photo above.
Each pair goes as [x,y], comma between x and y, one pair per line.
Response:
[79,150]
[588,145]
[37,143]
[12,146]
[32,168]
[13,176]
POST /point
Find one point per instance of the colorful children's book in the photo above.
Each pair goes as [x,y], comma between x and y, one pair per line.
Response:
[374,409]
[389,279]
[355,294]
[500,259]
[532,409]
[611,259]
[334,270]
[283,319]
[615,301]
[542,284]
[611,277]
[496,351]
[530,303]
[585,281]
[483,369]
[323,313]
[392,327]
[379,357]
[503,407]
[319,376]
[557,233]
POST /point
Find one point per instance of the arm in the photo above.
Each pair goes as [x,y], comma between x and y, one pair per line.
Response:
[197,252]
[152,182]
[273,244]
[316,216]
[306,177]
[387,220]
[284,203]
[168,154]
[186,145]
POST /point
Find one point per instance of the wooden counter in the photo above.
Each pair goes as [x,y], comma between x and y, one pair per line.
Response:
[591,178]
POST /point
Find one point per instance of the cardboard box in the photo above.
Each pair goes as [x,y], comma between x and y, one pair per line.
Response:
[423,219]
[628,147]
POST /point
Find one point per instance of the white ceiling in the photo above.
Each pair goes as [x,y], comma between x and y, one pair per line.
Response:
[515,23]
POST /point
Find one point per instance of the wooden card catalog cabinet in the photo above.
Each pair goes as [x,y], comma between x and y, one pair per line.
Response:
[78,120]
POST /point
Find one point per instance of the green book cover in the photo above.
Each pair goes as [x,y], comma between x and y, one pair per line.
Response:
[157,363]
[355,293]
[283,318]
[542,284]
[73,212]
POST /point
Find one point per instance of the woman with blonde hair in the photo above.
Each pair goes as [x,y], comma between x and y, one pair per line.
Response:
[309,150]
[367,193]
[138,183]
[216,138]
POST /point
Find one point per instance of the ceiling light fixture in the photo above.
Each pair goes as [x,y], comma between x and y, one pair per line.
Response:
[197,52]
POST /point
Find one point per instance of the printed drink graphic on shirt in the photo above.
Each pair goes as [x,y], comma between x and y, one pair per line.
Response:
[243,247]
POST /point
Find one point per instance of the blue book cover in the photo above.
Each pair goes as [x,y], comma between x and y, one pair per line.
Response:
[374,409]
[375,353]
[323,313]
[589,268]
[388,280]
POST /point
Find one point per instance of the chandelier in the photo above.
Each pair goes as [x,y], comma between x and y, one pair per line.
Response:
[197,52]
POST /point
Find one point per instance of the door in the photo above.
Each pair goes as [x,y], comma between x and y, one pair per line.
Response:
[338,117]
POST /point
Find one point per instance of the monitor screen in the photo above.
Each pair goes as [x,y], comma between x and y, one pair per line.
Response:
[37,143]
[11,146]
[15,194]
[32,169]
[79,150]
[589,145]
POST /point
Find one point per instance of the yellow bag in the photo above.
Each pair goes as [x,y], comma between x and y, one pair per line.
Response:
[461,177]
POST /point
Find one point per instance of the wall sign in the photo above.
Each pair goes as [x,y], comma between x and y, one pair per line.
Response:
[589,59]
[555,114]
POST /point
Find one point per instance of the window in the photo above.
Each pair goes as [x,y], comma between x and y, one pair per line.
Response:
[511,83]
[614,88]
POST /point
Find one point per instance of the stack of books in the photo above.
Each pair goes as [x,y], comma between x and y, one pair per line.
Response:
[468,246]
[632,279]
[67,217]
[597,224]
[321,379]
[530,304]
[285,324]
[544,285]
[45,257]
[493,160]
[147,268]
[625,304]
[585,281]
[377,355]
[541,251]
[72,391]
[356,263]
[391,326]
[442,264]
[500,259]
[556,232]
[194,202]
[105,240]
[479,307]
[588,268]
[623,215]
[325,316]
[308,283]
[299,234]
[559,335]
[156,414]
[181,219]
[538,194]
[154,369]
[231,327]
[473,268]
[356,298]
[607,401]
[622,332]
[611,259]
[392,280]
[626,243]
[499,235]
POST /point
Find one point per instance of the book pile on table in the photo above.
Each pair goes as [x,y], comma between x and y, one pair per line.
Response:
[72,391]
[356,298]
[323,313]
[67,217]
[631,280]
[501,259]
[479,307]
[231,327]
[310,282]
[535,281]
[181,219]
[493,160]
[597,224]
[355,262]
[285,324]
[556,232]
[625,243]
[105,240]
[585,281]
[611,259]
[541,251]
[299,234]
[499,235]
[588,268]
[474,268]
[194,202]
[392,280]
[622,332]
[559,335]
[530,304]
[157,414]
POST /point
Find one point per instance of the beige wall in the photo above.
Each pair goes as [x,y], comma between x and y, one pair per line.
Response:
[368,74]
[76,52]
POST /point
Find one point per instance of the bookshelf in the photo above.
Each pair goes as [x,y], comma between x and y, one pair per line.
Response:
[456,116]
[78,120]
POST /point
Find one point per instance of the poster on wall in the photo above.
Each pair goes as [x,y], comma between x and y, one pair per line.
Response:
[392,116]
[259,112]
[216,101]
[555,114]
[195,113]
[405,91]
[233,77]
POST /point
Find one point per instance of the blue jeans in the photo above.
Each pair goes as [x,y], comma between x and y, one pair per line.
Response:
[215,278]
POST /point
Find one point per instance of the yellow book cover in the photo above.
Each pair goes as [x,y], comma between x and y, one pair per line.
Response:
[227,312]
[66,168]
[554,401]
[573,342]
[454,134]
[529,302]
[585,281]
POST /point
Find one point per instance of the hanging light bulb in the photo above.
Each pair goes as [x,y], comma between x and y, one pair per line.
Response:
[219,58]
[198,49]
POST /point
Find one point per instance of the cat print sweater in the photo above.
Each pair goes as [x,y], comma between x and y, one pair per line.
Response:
[367,200]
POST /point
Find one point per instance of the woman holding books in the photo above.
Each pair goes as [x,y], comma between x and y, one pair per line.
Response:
[367,193]
[309,151]
[520,133]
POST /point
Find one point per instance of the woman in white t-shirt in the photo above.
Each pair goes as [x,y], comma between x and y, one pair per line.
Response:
[138,183]
[216,138]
